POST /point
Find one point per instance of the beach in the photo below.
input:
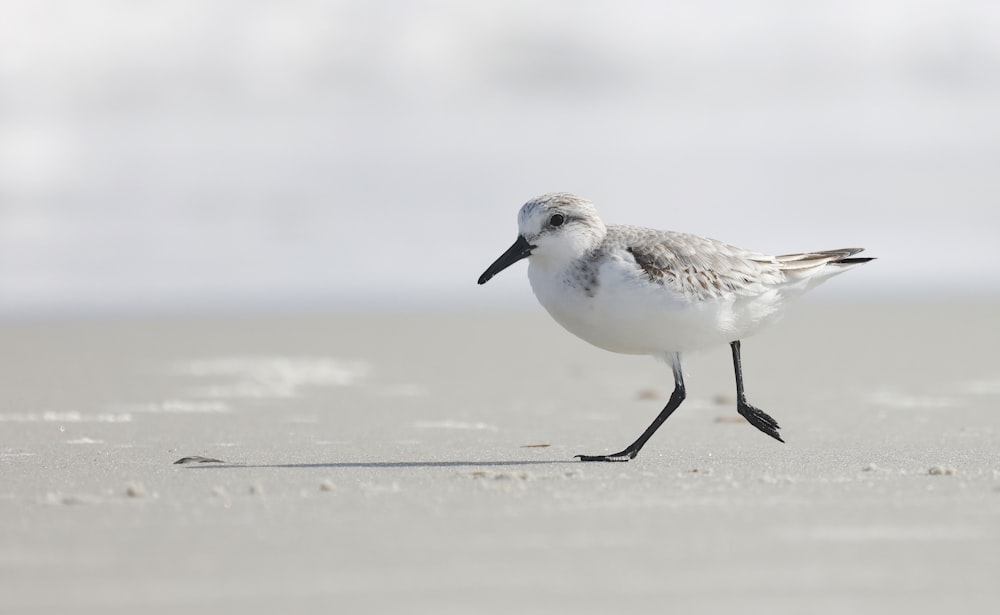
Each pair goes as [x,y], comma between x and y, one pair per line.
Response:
[424,462]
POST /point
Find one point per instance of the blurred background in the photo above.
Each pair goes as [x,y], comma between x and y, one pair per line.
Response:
[178,155]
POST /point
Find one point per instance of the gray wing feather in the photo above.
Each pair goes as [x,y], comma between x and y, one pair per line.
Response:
[696,266]
[706,268]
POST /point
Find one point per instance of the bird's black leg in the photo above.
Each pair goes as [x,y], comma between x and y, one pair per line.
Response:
[757,417]
[675,400]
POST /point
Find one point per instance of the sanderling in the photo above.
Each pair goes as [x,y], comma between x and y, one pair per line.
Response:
[637,290]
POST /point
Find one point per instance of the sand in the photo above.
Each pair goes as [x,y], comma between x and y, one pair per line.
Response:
[423,463]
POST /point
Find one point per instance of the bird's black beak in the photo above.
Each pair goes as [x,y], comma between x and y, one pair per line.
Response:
[520,249]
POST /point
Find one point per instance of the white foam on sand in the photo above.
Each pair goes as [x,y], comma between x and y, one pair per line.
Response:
[11,453]
[454,425]
[84,440]
[262,377]
[65,417]
[181,406]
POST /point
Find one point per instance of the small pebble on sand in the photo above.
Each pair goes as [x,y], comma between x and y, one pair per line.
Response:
[648,394]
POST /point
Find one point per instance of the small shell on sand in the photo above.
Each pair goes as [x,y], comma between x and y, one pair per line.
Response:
[197,459]
[941,471]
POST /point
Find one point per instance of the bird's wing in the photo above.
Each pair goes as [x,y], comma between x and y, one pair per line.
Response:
[697,266]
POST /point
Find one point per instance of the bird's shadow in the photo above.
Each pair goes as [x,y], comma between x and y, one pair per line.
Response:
[382,464]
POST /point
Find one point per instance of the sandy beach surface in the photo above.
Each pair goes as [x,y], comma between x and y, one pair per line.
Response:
[423,463]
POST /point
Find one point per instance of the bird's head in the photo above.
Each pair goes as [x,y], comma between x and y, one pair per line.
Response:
[553,229]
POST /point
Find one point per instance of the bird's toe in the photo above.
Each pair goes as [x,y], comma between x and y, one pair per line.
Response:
[761,420]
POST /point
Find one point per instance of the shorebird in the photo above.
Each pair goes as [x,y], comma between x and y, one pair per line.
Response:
[643,291]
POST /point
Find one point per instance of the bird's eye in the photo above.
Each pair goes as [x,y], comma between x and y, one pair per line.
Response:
[557,220]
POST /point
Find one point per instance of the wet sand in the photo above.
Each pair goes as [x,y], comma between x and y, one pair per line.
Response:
[423,463]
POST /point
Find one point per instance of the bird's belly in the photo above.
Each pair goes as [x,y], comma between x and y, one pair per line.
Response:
[650,319]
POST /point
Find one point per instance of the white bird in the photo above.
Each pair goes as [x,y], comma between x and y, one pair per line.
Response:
[636,290]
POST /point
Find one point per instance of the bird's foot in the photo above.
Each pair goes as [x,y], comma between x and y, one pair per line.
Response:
[622,456]
[759,419]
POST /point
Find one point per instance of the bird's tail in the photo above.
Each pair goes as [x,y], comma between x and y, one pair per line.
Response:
[819,265]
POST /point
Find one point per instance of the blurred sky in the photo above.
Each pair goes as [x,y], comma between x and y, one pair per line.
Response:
[176,154]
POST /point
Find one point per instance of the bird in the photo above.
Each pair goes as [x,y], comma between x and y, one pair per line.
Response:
[641,291]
